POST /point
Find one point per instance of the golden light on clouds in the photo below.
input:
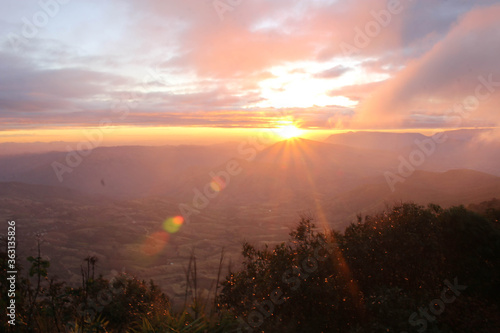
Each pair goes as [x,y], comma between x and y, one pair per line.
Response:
[235,77]
[302,85]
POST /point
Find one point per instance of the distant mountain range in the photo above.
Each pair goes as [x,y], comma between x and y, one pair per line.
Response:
[345,174]
[115,199]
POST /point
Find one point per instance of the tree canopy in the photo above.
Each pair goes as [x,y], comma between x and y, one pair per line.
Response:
[408,269]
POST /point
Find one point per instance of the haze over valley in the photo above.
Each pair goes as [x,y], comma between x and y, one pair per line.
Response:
[116,200]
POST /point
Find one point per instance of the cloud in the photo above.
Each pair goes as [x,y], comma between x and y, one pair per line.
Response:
[24,88]
[446,75]
[332,72]
[260,34]
[179,62]
[357,92]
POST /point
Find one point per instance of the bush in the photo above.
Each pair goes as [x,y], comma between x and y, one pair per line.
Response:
[371,278]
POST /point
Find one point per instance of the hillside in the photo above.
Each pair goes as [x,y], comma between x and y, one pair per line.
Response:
[375,140]
[456,149]
[126,171]
[448,188]
[317,280]
[115,202]
[118,231]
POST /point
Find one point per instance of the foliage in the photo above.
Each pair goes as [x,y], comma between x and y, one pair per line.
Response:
[378,273]
[373,277]
[489,209]
[123,304]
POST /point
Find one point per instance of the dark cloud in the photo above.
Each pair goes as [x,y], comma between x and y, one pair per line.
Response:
[25,88]
[332,72]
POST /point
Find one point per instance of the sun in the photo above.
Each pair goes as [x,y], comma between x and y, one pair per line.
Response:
[289,131]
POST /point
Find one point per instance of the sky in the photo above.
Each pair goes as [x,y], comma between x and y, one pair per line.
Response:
[229,66]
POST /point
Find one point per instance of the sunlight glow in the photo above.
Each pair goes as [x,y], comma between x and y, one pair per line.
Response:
[297,85]
[289,131]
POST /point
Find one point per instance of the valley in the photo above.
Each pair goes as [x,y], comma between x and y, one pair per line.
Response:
[115,204]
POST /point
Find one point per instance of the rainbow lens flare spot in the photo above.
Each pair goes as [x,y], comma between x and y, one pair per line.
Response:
[155,243]
[217,184]
[173,224]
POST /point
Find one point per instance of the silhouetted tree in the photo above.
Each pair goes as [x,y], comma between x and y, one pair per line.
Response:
[374,276]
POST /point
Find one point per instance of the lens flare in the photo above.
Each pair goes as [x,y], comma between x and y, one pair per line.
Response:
[217,184]
[155,243]
[173,224]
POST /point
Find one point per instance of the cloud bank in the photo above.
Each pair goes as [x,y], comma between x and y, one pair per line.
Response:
[408,64]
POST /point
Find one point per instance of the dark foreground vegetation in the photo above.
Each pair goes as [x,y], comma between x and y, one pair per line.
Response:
[408,269]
